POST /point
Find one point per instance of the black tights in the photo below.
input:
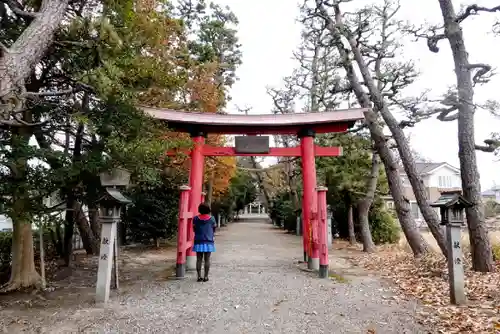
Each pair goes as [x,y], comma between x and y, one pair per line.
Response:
[199,258]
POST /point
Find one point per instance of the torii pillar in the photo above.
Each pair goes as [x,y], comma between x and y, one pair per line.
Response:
[309,198]
[195,195]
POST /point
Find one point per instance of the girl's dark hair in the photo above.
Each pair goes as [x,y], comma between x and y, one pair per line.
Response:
[204,209]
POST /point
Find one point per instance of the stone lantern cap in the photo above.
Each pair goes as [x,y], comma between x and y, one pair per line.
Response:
[451,205]
[117,177]
[451,199]
[113,195]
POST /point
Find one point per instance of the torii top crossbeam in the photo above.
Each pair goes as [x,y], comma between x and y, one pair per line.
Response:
[323,122]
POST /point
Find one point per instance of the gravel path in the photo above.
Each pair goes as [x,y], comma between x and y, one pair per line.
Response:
[256,287]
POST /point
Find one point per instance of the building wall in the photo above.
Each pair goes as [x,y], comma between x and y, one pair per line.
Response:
[5,223]
[445,178]
[442,179]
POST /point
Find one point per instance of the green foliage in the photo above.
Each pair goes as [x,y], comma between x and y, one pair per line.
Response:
[5,255]
[242,191]
[282,210]
[347,173]
[496,251]
[153,213]
[346,179]
[215,40]
[384,228]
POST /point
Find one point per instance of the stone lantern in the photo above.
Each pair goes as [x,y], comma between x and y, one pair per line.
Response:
[451,205]
[110,205]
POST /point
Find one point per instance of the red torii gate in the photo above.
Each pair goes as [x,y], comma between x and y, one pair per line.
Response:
[304,125]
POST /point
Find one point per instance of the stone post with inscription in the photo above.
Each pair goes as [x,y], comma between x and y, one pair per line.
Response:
[105,266]
[451,205]
[110,205]
[455,263]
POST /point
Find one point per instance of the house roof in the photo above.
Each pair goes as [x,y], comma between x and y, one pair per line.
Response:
[448,199]
[429,167]
[490,192]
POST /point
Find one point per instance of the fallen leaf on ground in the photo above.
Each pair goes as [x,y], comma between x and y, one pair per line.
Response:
[426,279]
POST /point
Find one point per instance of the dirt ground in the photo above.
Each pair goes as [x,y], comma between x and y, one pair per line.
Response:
[24,312]
[258,287]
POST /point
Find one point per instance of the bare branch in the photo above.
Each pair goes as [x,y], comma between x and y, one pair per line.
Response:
[357,129]
[406,124]
[491,146]
[72,43]
[443,114]
[483,74]
[18,10]
[56,93]
[474,10]
[431,35]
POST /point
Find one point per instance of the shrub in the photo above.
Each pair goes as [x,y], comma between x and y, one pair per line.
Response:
[153,213]
[282,210]
[491,209]
[5,255]
[496,251]
[384,227]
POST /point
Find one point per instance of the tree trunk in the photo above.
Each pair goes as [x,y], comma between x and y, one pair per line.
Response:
[42,255]
[69,229]
[417,243]
[292,184]
[23,273]
[365,204]
[210,188]
[403,147]
[90,242]
[313,92]
[350,225]
[482,257]
[95,226]
[291,180]
[55,235]
[17,62]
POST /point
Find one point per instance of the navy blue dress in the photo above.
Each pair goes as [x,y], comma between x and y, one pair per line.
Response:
[204,229]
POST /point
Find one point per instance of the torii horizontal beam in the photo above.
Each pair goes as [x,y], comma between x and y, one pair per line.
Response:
[332,121]
[215,151]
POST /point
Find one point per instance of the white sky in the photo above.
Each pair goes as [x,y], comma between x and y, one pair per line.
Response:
[268,32]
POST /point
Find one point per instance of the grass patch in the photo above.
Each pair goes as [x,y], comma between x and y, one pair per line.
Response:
[494,239]
[496,251]
[338,278]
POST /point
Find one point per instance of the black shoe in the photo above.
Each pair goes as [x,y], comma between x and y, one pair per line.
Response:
[205,279]
[200,279]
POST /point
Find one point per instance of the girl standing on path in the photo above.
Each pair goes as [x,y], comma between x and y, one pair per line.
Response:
[204,230]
